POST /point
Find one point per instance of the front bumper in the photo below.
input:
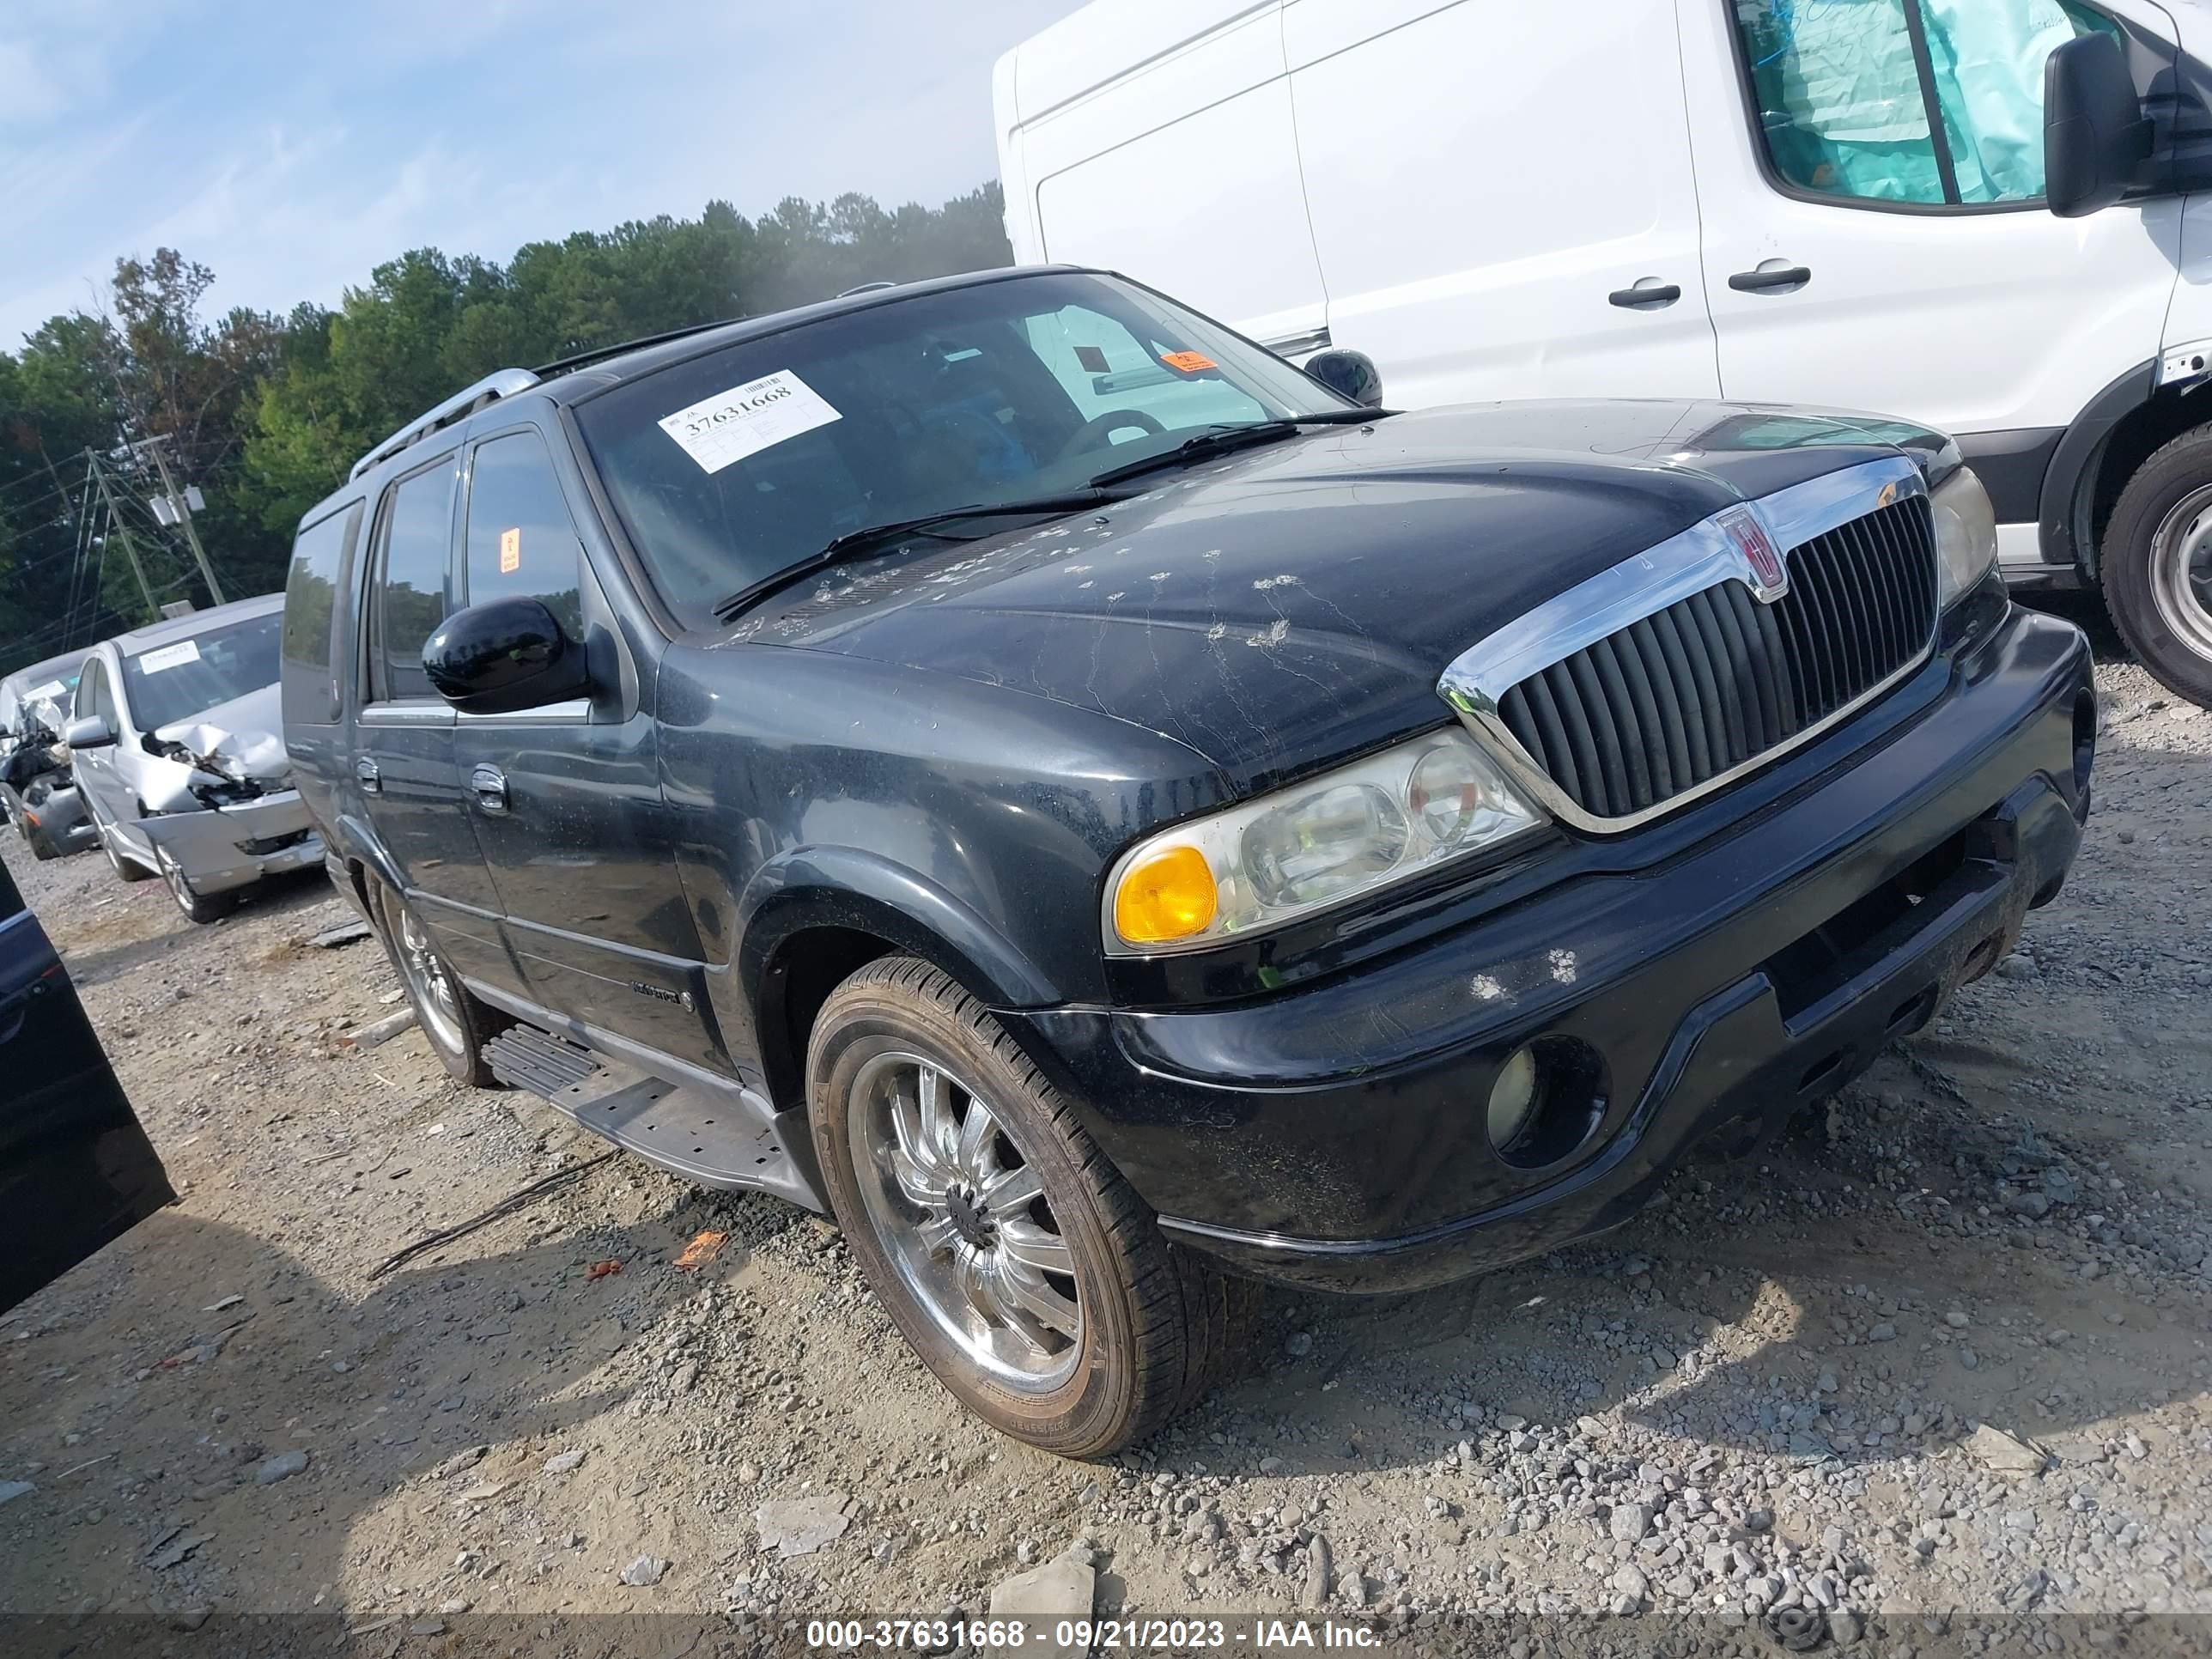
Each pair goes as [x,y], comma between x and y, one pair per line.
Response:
[219,848]
[61,818]
[1334,1137]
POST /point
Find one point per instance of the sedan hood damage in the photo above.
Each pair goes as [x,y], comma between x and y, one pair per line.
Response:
[222,756]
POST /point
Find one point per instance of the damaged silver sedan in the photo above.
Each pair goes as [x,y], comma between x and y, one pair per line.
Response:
[180,760]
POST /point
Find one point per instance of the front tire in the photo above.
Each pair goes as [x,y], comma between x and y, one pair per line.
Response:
[202,907]
[126,868]
[2156,565]
[455,1023]
[1025,1272]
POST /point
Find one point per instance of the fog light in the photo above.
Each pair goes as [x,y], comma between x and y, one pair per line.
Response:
[1513,1099]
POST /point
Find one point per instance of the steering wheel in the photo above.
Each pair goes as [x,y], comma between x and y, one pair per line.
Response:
[1093,432]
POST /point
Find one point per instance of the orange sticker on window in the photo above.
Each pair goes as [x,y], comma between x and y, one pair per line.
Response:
[1190,362]
[510,551]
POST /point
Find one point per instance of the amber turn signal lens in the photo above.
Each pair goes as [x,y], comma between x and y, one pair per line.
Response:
[1170,896]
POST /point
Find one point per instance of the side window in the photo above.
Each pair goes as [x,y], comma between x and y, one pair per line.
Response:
[1844,92]
[310,599]
[92,692]
[520,538]
[409,601]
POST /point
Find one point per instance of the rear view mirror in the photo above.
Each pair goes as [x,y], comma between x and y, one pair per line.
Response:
[2094,133]
[1349,375]
[503,656]
[88,733]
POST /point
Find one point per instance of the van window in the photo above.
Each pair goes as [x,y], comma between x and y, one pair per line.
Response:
[409,601]
[310,600]
[521,542]
[1844,88]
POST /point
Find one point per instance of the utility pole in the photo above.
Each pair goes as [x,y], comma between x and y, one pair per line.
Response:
[185,517]
[130,548]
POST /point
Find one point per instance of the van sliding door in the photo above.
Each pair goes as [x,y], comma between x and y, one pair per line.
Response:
[1180,171]
[1501,196]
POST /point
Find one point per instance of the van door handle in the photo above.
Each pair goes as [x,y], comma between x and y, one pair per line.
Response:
[1655,296]
[488,784]
[372,783]
[1753,281]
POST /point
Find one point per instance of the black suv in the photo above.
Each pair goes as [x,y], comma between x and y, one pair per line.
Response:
[1010,762]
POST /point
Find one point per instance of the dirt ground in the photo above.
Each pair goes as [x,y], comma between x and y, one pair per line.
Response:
[1765,1392]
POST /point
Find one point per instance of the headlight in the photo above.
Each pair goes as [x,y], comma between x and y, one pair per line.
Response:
[1302,849]
[1966,534]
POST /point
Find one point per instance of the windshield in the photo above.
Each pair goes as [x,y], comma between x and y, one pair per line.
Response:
[170,682]
[729,466]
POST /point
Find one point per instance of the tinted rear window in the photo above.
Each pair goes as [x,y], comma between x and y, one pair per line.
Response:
[310,611]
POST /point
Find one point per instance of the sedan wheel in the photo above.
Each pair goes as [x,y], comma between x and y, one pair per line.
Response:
[200,907]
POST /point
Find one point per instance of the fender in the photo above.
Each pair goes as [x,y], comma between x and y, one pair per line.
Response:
[846,887]
[354,839]
[2063,519]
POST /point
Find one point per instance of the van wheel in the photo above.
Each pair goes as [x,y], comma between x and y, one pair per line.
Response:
[456,1024]
[1015,1260]
[2157,565]
[200,907]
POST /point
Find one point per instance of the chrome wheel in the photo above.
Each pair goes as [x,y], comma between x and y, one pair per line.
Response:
[437,998]
[963,1219]
[172,874]
[2181,572]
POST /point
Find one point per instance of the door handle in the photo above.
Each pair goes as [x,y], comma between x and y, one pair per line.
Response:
[1754,281]
[371,782]
[1636,298]
[488,785]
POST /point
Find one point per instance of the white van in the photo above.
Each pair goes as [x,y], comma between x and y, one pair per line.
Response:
[1744,199]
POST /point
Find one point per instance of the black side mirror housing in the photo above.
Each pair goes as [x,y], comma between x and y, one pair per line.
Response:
[1349,375]
[504,656]
[2095,136]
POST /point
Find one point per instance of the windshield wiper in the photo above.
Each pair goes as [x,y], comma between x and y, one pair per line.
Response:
[1218,440]
[873,538]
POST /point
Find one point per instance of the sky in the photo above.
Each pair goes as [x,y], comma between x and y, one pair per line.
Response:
[291,145]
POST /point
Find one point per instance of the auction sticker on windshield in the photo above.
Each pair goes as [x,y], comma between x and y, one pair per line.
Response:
[730,425]
[167,656]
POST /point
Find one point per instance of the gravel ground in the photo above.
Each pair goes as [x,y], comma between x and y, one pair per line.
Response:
[1943,1352]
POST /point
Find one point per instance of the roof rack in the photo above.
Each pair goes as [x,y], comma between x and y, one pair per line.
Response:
[600,354]
[500,383]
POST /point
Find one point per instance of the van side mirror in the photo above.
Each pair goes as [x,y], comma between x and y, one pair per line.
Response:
[1349,375]
[2094,133]
[88,732]
[503,656]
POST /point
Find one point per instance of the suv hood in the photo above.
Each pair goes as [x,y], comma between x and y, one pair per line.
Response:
[1278,609]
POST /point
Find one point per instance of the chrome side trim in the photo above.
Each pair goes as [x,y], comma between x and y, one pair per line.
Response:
[1704,555]
[575,711]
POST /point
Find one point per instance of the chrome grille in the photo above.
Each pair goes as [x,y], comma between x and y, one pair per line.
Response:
[1664,706]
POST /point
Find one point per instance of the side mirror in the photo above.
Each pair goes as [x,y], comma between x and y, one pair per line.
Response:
[503,656]
[1349,375]
[88,733]
[2094,133]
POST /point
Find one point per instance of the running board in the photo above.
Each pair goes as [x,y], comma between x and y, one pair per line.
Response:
[714,1142]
